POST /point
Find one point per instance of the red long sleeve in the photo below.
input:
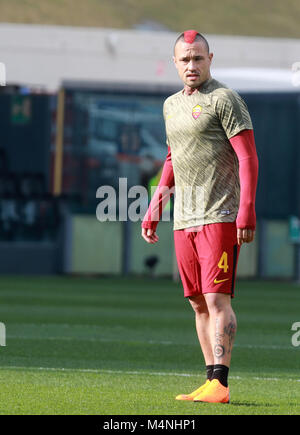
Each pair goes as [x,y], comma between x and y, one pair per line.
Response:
[161,195]
[244,146]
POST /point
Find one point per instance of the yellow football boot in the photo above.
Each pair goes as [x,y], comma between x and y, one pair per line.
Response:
[195,393]
[214,393]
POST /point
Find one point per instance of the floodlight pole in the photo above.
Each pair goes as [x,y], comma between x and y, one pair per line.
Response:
[59,143]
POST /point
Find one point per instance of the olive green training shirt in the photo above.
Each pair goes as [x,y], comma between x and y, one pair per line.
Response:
[206,168]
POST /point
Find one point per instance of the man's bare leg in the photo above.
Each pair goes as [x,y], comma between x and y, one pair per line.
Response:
[222,327]
[198,304]
[202,320]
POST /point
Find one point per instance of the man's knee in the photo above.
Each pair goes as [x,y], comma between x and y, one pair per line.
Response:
[198,304]
[217,302]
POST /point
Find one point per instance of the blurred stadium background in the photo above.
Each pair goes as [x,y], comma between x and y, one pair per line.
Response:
[82,107]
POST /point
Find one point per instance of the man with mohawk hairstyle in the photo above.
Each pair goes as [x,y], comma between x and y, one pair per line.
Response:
[212,163]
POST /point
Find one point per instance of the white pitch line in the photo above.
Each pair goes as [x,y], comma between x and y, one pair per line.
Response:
[136,373]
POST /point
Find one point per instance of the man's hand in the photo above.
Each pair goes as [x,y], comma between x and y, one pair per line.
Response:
[245,235]
[149,235]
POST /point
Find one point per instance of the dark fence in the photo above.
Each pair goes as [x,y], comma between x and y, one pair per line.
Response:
[276,120]
[28,211]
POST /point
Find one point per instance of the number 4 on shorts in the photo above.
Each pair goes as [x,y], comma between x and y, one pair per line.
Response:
[223,263]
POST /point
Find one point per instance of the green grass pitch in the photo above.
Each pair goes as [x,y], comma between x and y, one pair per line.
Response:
[128,346]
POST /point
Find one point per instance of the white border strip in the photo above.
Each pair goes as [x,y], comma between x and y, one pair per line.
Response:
[2,74]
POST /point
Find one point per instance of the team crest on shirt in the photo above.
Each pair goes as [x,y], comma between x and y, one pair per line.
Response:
[197,111]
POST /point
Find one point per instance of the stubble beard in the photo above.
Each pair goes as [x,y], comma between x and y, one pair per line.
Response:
[193,85]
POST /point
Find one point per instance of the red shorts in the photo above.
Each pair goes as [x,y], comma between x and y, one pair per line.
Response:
[207,259]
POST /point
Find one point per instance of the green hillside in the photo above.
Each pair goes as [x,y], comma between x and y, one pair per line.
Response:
[272,18]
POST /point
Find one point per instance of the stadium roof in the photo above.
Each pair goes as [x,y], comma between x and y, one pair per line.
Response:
[45,56]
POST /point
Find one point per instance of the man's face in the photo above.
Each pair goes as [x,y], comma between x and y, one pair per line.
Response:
[192,62]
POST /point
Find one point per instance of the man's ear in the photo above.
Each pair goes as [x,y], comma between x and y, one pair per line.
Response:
[174,60]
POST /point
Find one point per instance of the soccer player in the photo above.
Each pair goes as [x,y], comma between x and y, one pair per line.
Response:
[212,163]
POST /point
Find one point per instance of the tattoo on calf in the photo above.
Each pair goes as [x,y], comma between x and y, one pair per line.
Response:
[220,348]
[219,351]
[230,331]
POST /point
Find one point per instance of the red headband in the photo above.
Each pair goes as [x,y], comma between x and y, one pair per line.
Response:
[190,35]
